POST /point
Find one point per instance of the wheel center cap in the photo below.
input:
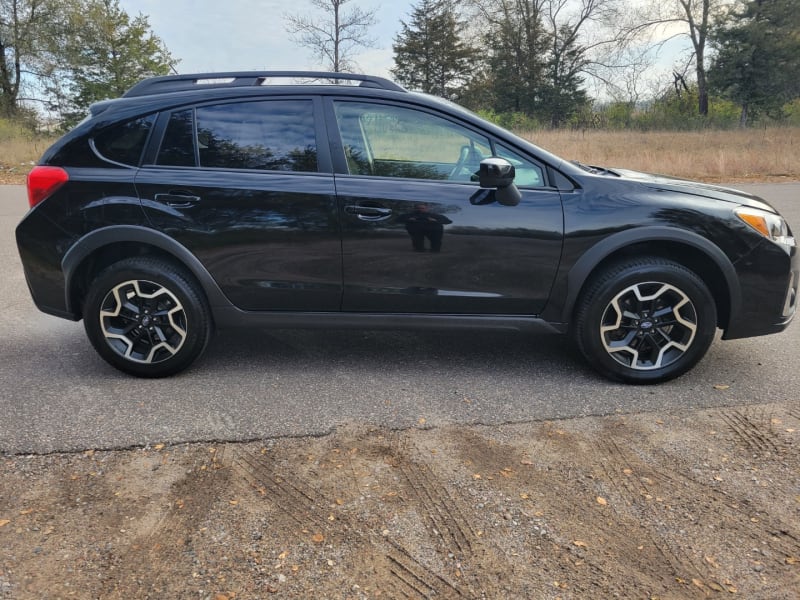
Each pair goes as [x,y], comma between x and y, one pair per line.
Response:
[146,320]
[646,325]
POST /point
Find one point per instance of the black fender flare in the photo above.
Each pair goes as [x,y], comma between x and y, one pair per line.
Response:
[587,263]
[106,236]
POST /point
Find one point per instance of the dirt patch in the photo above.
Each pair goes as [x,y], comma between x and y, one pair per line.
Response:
[705,504]
[12,177]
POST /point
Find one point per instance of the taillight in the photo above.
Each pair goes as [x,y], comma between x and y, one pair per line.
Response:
[43,181]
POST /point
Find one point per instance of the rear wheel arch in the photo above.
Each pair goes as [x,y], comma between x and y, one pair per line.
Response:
[104,247]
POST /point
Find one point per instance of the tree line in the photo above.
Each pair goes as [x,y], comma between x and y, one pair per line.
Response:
[532,59]
[60,56]
[520,62]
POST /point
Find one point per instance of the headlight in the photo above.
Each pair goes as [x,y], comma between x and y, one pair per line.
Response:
[768,224]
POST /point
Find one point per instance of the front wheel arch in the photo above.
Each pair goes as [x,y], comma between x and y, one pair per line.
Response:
[685,247]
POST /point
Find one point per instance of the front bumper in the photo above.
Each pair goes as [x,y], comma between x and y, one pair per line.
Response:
[768,280]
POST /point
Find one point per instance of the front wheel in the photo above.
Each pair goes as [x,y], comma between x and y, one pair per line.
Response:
[645,321]
[146,317]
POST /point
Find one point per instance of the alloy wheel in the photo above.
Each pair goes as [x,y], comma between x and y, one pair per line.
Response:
[143,321]
[648,325]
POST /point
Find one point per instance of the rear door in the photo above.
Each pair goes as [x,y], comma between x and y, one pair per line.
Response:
[247,187]
[412,238]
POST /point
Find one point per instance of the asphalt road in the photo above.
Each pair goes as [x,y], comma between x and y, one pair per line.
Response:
[56,394]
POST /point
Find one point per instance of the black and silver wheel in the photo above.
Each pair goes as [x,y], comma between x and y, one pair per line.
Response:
[645,321]
[146,317]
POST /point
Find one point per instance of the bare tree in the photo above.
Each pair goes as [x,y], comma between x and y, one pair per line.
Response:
[335,35]
[658,21]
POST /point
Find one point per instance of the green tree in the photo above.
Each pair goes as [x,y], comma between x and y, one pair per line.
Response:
[539,52]
[563,96]
[758,57]
[518,46]
[430,52]
[25,25]
[104,53]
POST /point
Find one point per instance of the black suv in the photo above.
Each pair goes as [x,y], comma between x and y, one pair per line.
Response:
[276,199]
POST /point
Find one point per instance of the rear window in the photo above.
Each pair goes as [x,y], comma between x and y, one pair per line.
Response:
[272,135]
[124,143]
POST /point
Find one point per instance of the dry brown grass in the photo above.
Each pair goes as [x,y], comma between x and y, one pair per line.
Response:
[742,155]
[19,150]
[750,155]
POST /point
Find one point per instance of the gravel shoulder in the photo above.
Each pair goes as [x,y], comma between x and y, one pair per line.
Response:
[701,504]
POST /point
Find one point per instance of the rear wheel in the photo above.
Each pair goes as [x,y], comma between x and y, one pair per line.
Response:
[645,321]
[147,317]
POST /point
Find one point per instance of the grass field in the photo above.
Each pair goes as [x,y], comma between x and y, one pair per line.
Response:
[771,154]
[741,155]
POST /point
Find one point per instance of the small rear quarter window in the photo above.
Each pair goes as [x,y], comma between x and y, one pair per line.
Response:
[125,142]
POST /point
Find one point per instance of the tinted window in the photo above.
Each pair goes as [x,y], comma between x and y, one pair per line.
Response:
[177,147]
[392,141]
[124,143]
[271,135]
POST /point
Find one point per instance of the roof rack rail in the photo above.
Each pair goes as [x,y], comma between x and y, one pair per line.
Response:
[177,83]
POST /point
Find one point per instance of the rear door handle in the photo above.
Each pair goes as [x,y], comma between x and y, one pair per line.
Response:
[368,213]
[177,199]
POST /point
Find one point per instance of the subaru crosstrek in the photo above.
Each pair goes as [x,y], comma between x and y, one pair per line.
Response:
[275,199]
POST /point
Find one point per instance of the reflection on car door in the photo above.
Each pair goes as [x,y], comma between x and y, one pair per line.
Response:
[411,239]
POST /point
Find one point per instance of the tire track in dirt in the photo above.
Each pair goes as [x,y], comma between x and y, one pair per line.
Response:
[640,481]
[460,547]
[755,433]
[303,507]
[166,538]
[565,511]
[637,484]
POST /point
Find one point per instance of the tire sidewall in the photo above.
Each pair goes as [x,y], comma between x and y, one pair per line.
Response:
[166,275]
[623,276]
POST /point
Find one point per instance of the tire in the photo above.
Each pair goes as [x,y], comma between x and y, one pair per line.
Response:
[147,317]
[645,320]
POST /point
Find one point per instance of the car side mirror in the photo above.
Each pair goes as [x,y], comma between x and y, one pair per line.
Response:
[496,176]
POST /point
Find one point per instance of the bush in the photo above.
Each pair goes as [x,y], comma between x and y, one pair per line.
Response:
[511,120]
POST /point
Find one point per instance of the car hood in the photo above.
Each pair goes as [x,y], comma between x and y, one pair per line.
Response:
[695,188]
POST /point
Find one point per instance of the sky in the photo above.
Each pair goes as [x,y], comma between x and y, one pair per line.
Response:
[244,35]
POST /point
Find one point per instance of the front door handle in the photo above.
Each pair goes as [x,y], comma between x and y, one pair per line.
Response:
[369,213]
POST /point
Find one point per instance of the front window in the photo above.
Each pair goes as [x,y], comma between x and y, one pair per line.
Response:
[391,141]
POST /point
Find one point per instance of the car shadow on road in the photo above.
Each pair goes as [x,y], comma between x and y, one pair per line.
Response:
[426,352]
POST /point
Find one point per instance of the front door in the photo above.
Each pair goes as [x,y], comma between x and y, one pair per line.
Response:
[412,238]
